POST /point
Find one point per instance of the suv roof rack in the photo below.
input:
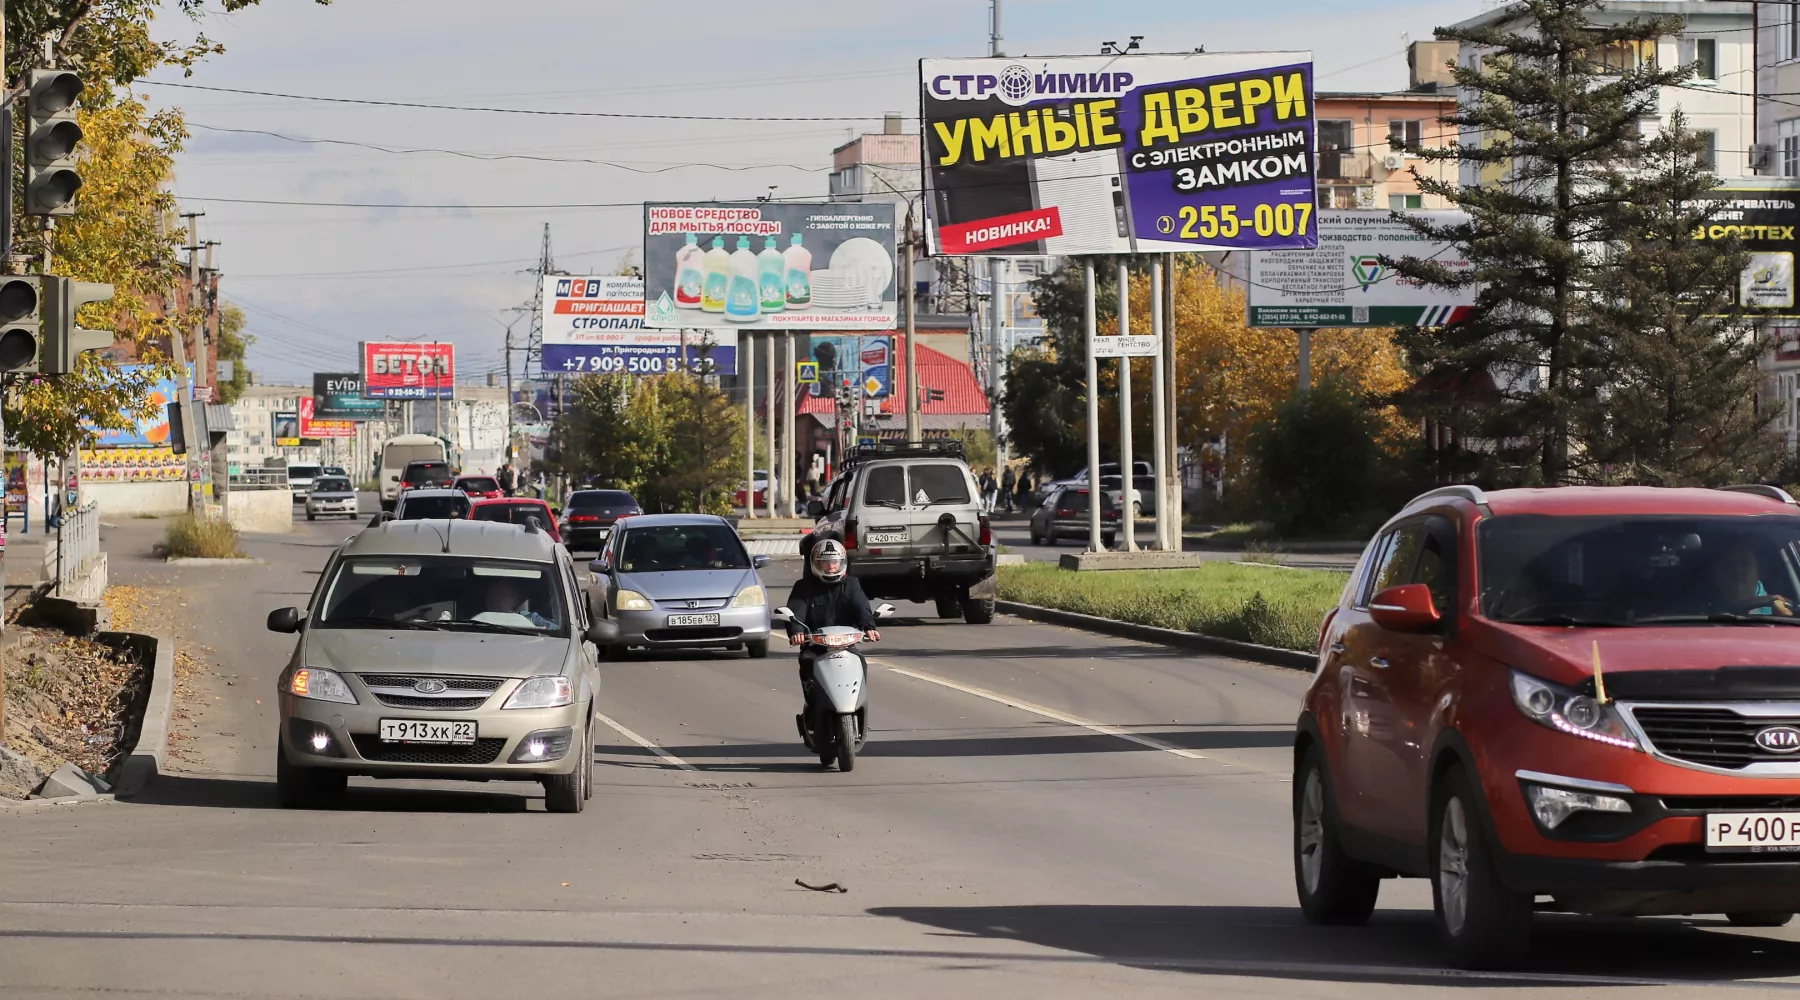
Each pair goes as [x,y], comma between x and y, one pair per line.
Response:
[901,449]
[1764,490]
[1473,494]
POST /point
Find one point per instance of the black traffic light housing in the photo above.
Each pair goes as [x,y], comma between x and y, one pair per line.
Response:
[51,137]
[21,321]
[63,341]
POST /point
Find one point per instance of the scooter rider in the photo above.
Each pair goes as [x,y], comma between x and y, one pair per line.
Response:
[827,595]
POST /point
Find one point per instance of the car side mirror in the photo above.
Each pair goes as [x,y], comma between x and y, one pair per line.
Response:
[760,562]
[886,611]
[285,620]
[393,479]
[602,632]
[783,614]
[1406,608]
[815,508]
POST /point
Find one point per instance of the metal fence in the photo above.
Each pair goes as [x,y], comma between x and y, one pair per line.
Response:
[73,548]
[259,479]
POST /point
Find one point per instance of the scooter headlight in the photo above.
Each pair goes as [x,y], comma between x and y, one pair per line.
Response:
[841,641]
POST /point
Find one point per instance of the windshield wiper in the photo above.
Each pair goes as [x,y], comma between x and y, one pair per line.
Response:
[463,623]
[1570,621]
[372,621]
[1718,618]
[885,503]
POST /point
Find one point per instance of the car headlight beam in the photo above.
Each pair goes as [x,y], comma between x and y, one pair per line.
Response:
[750,597]
[542,692]
[631,600]
[320,684]
[1569,711]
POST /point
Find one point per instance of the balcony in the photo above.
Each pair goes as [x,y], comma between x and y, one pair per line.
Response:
[1344,165]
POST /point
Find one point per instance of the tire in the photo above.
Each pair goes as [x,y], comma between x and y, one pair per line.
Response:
[1481,922]
[1758,918]
[563,792]
[949,607]
[310,517]
[615,653]
[846,743]
[1109,540]
[1334,888]
[757,650]
[978,612]
[298,787]
[587,761]
[1036,539]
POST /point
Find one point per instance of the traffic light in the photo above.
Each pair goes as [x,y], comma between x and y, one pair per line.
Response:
[63,340]
[21,319]
[51,137]
[934,395]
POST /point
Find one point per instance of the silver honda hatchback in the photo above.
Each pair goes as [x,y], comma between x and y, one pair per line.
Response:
[441,649]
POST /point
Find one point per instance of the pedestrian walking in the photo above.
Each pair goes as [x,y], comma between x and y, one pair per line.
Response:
[539,484]
[1025,492]
[988,490]
[1007,483]
[507,480]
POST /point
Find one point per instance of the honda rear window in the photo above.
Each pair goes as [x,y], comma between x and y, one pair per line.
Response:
[938,482]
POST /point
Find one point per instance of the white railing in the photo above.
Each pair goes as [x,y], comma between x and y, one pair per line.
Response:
[73,547]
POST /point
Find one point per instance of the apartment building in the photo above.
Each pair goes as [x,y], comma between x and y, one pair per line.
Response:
[1358,166]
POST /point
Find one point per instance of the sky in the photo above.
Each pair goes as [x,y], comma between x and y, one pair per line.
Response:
[313,281]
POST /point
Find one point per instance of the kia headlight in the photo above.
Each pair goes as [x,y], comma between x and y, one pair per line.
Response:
[750,597]
[542,692]
[1569,711]
[320,684]
[631,600]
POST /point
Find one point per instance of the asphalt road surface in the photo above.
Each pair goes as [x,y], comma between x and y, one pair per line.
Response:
[1039,813]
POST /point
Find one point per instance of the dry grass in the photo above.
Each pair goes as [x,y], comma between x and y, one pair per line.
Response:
[191,537]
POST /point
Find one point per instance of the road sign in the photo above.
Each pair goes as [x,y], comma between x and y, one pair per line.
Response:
[807,373]
[1129,346]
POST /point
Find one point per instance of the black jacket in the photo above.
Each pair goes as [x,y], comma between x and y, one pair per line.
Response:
[820,605]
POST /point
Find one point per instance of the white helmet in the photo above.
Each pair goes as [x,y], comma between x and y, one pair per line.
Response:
[828,560]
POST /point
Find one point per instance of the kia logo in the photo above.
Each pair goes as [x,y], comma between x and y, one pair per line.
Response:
[430,686]
[1779,739]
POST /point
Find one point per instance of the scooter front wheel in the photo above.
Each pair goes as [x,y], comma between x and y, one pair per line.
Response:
[846,743]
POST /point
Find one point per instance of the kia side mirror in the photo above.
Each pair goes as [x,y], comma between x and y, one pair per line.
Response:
[886,611]
[602,632]
[760,562]
[1406,608]
[285,620]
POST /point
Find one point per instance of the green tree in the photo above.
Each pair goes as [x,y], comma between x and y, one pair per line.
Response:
[1680,353]
[1320,465]
[706,438]
[233,343]
[1556,100]
[1045,404]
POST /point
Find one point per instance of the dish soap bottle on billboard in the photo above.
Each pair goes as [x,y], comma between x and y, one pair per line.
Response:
[799,275]
[688,274]
[716,268]
[742,304]
[771,268]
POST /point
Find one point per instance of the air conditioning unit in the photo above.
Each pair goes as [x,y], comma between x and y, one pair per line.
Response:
[1762,156]
[1394,161]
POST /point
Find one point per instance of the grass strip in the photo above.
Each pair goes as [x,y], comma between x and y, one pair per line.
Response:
[1266,605]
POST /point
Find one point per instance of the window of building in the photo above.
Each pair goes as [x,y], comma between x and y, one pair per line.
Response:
[1408,133]
[1335,141]
[1709,149]
[1703,55]
[1402,202]
[1345,196]
[1790,148]
[1628,54]
[1785,20]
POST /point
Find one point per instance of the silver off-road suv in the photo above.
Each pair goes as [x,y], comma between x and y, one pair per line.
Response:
[910,519]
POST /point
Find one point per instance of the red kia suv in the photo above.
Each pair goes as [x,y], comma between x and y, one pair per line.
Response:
[1582,699]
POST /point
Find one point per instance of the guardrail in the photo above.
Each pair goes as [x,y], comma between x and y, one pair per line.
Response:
[260,479]
[72,552]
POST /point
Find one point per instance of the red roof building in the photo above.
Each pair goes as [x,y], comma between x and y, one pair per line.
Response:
[964,406]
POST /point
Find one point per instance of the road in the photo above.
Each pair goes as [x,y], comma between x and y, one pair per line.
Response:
[1040,813]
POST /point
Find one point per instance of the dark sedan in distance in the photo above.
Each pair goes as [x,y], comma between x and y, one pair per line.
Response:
[590,514]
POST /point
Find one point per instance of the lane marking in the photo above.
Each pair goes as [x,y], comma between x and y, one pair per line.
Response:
[1048,713]
[667,757]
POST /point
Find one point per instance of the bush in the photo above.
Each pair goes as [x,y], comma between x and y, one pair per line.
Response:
[1321,467]
[1260,604]
[191,537]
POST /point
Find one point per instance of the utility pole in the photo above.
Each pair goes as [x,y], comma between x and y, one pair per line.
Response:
[789,401]
[1170,459]
[1090,329]
[914,435]
[996,269]
[184,386]
[747,370]
[774,466]
[1126,466]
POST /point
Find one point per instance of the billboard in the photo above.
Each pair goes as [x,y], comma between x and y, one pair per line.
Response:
[145,432]
[769,266]
[316,429]
[1118,154]
[862,362]
[286,426]
[596,324]
[1764,215]
[339,396]
[1342,283]
[399,370]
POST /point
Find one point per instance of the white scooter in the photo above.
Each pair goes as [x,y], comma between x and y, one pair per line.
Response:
[835,722]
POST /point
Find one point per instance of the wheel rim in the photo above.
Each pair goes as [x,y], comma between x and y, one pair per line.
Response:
[1312,831]
[1453,865]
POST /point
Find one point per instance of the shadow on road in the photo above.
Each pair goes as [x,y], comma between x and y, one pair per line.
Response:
[252,793]
[1396,948]
[991,746]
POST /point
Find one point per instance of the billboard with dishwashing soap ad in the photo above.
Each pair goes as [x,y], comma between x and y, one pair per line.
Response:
[769,266]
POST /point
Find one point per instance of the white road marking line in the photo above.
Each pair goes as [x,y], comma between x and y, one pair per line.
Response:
[1048,713]
[666,756]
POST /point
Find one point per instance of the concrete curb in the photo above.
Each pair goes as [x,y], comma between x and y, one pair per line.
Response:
[1163,636]
[201,561]
[144,762]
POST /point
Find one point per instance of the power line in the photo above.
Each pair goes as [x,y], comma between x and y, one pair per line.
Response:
[541,112]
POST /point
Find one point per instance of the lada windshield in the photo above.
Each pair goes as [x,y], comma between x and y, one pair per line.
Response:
[1616,570]
[454,593]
